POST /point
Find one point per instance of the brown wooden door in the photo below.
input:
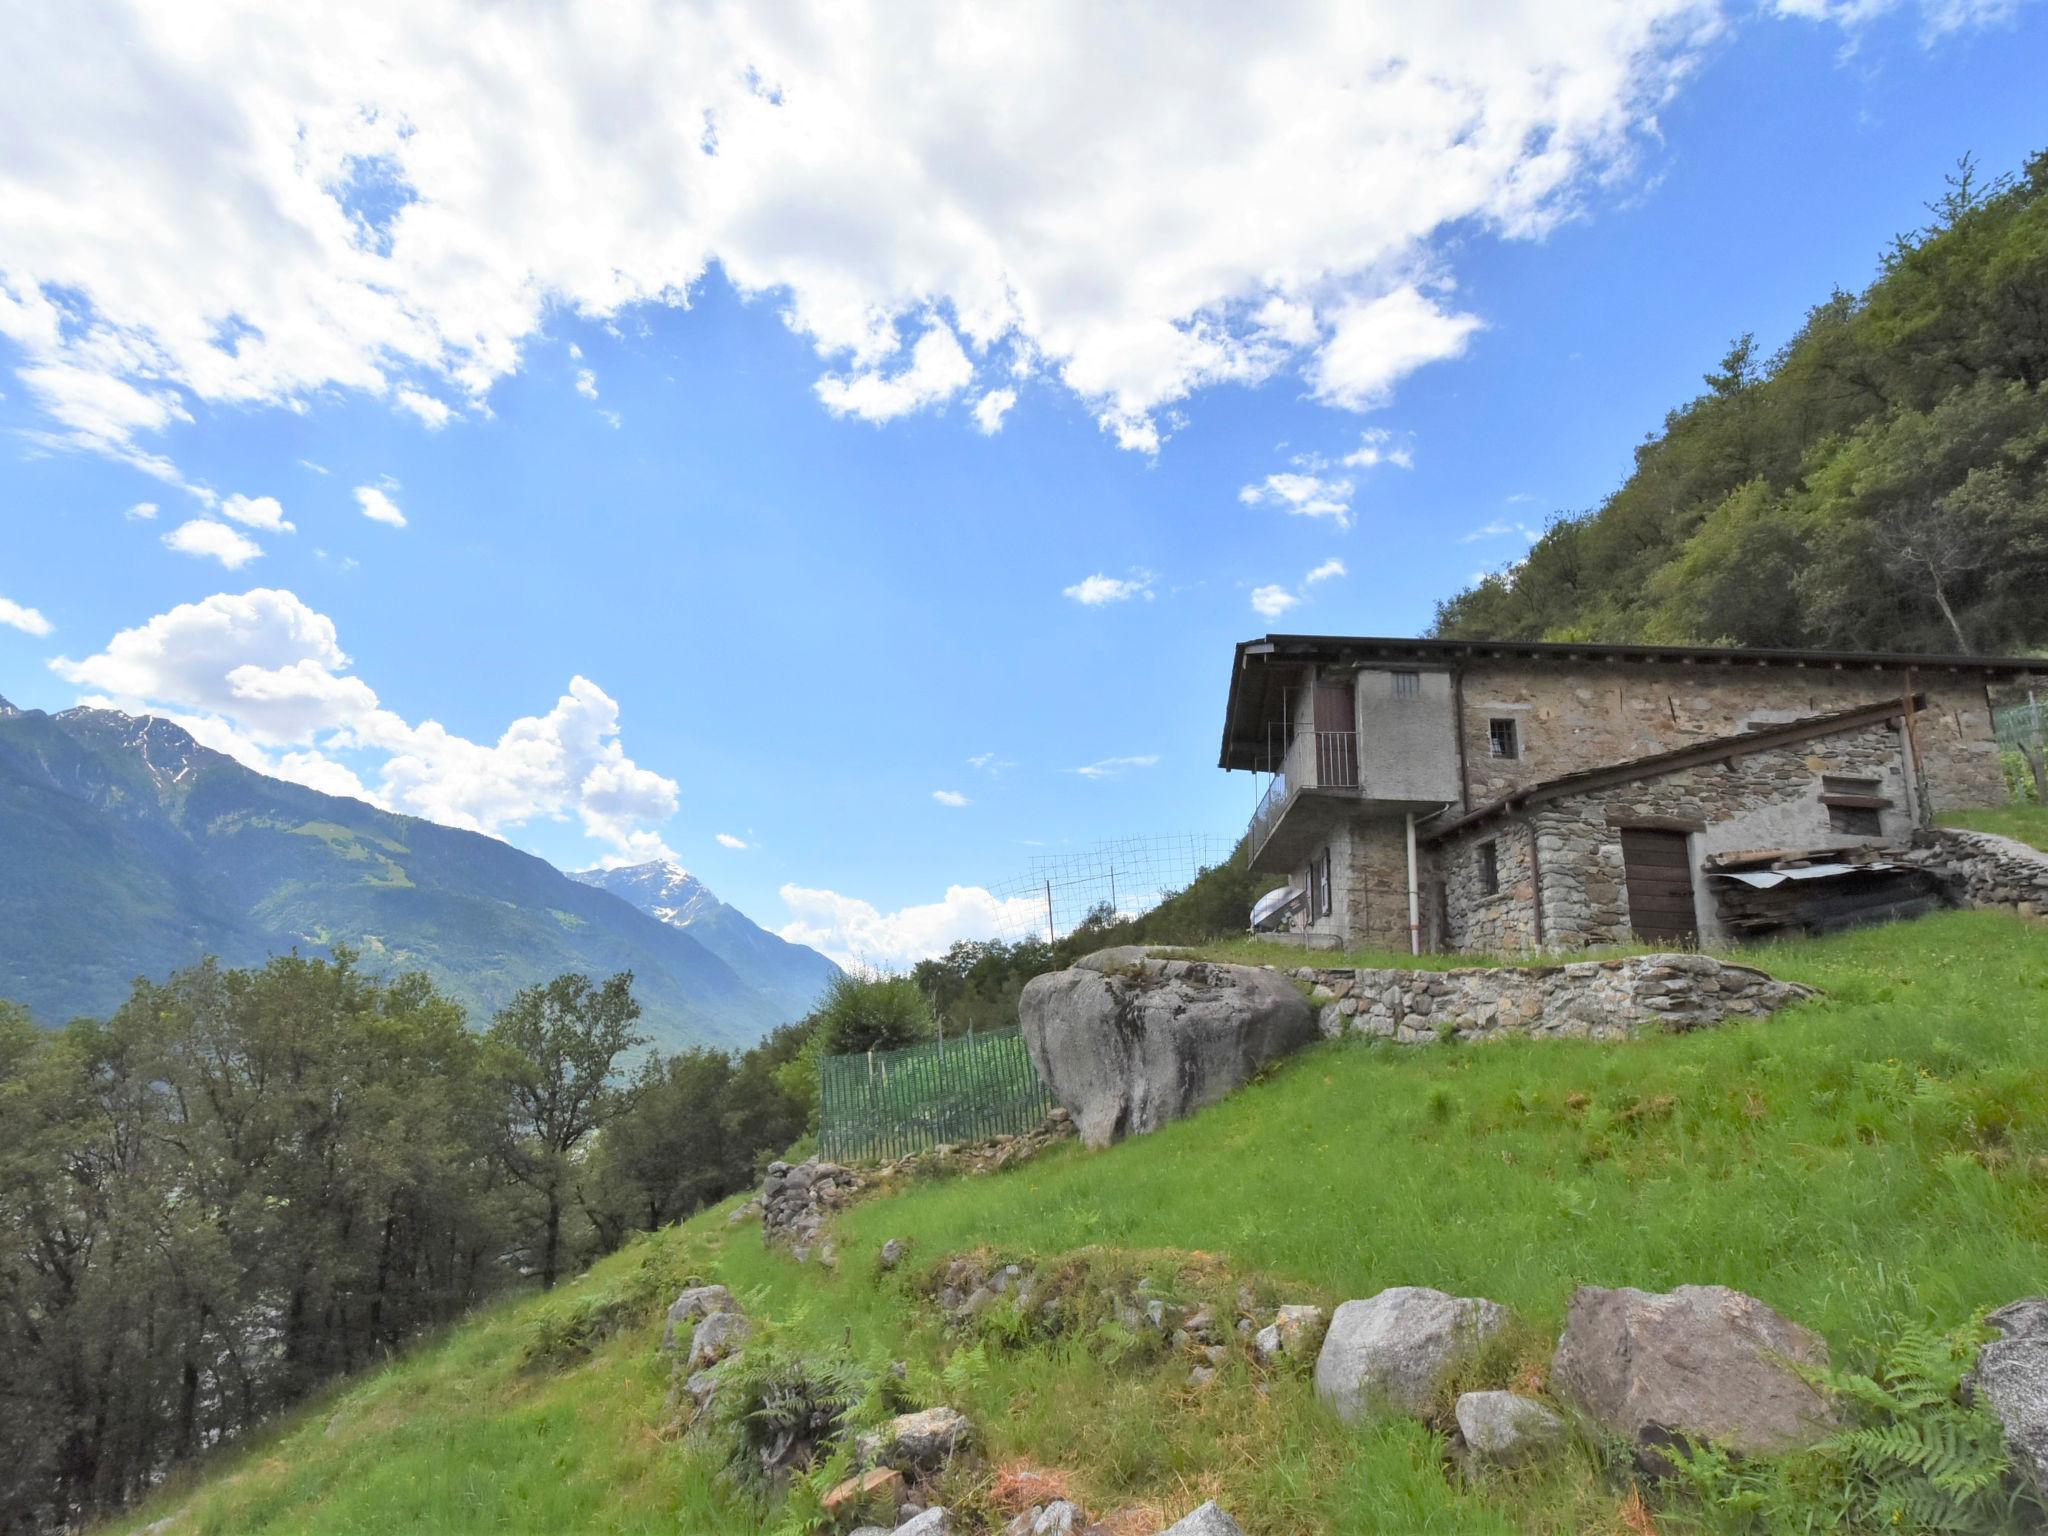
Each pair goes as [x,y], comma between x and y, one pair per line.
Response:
[1336,735]
[1659,876]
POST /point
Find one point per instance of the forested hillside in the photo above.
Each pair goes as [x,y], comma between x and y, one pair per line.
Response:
[1881,482]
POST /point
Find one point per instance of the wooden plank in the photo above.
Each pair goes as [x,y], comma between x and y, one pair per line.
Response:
[1655,858]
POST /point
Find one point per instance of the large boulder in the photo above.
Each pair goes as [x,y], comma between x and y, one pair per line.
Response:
[699,1301]
[717,1338]
[917,1443]
[2012,1377]
[1700,1362]
[1392,1350]
[1128,1041]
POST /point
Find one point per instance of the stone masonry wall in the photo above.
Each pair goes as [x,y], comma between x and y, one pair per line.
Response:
[1762,800]
[1593,716]
[1496,923]
[1985,870]
[1582,1000]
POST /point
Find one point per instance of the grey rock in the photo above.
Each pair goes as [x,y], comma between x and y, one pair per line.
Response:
[1202,1376]
[933,1522]
[1127,1042]
[1392,1349]
[717,1337]
[917,1443]
[702,1387]
[1701,1361]
[2012,1377]
[698,1301]
[893,1253]
[1295,1331]
[1502,1428]
[1059,1518]
[1209,1520]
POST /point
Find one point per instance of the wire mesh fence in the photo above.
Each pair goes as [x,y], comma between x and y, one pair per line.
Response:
[1128,875]
[885,1104]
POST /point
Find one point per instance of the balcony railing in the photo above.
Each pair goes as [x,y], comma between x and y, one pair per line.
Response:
[1313,760]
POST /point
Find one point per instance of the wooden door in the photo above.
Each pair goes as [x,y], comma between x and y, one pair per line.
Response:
[1659,876]
[1336,735]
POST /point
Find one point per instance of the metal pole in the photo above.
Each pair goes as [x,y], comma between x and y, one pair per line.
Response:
[1052,936]
[1414,895]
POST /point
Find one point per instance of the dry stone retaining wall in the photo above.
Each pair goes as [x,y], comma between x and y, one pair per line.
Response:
[1583,1000]
[1985,870]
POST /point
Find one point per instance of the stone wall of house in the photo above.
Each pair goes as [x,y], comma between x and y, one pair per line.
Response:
[1592,716]
[1984,870]
[1582,1000]
[1497,922]
[1762,800]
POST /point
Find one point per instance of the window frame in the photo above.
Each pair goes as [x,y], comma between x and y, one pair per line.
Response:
[1407,684]
[1506,728]
[1489,867]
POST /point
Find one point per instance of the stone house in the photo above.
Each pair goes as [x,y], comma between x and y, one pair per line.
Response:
[1463,795]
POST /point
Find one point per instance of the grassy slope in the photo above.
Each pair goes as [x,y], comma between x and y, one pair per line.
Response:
[2026,823]
[1872,1159]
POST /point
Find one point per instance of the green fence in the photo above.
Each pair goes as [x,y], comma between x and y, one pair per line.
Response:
[885,1104]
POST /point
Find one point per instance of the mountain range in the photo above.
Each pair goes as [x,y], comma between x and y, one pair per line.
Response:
[128,849]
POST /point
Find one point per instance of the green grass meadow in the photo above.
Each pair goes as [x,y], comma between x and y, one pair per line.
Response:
[1874,1159]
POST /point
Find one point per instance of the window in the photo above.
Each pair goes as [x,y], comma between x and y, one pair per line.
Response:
[1315,889]
[1407,685]
[1853,804]
[1503,739]
[1328,897]
[1489,868]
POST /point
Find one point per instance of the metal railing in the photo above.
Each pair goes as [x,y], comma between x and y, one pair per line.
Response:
[1313,760]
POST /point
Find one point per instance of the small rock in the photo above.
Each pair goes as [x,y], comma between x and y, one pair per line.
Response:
[892,1253]
[1700,1361]
[718,1336]
[1394,1348]
[876,1491]
[1059,1518]
[917,1443]
[2012,1377]
[1295,1330]
[933,1522]
[1202,1376]
[698,1301]
[1502,1428]
[1209,1520]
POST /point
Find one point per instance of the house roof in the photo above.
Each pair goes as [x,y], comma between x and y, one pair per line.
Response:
[1260,664]
[1691,755]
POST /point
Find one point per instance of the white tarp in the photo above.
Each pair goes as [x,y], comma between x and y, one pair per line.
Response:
[1274,903]
[1764,879]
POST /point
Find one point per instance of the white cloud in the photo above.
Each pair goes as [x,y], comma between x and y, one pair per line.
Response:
[855,932]
[378,506]
[1938,18]
[28,620]
[1304,495]
[141,512]
[1378,342]
[1376,446]
[1499,528]
[990,763]
[391,200]
[951,797]
[937,371]
[991,408]
[213,541]
[432,411]
[727,840]
[318,469]
[256,512]
[586,383]
[1328,570]
[1111,767]
[1272,601]
[1094,591]
[263,677]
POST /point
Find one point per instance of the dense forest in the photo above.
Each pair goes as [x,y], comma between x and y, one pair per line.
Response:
[244,1183]
[1880,483]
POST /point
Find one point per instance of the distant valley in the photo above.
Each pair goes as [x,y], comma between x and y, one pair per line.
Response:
[128,849]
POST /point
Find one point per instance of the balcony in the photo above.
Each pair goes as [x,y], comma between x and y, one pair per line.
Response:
[1317,766]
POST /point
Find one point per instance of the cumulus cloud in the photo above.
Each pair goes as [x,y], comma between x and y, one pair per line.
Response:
[991,408]
[388,199]
[1329,570]
[141,512]
[263,677]
[256,512]
[1938,18]
[28,620]
[1304,495]
[1378,446]
[1094,591]
[1272,601]
[209,540]
[1112,767]
[586,383]
[378,506]
[855,932]
[727,840]
[951,797]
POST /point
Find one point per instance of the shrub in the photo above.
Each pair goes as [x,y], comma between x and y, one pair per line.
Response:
[778,1411]
[872,1011]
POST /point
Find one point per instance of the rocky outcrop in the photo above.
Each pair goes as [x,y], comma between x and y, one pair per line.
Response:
[1128,1041]
[717,1337]
[1059,1518]
[2011,1377]
[917,1444]
[1581,1000]
[797,1200]
[1392,1350]
[692,1305]
[1503,1429]
[1982,869]
[1701,1362]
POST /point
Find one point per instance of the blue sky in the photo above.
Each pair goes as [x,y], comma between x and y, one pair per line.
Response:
[717,448]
